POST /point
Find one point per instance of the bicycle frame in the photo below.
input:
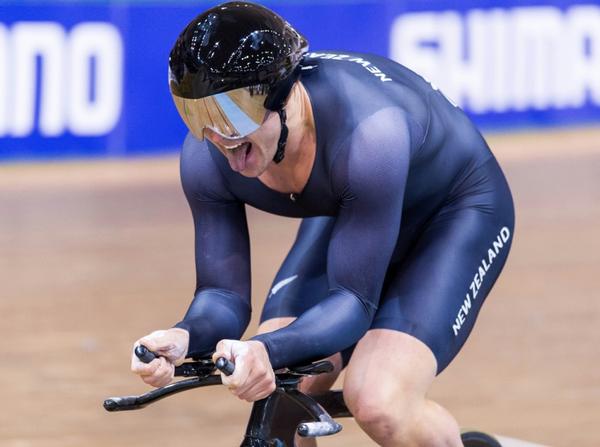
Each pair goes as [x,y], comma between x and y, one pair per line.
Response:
[274,420]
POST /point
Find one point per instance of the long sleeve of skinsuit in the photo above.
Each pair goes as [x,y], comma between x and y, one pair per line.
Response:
[369,174]
[221,305]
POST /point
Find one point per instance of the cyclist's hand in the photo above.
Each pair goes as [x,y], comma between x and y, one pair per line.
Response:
[171,345]
[253,378]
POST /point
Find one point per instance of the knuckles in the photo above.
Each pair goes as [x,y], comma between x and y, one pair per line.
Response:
[253,366]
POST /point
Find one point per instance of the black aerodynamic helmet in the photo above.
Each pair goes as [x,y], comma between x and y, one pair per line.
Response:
[230,65]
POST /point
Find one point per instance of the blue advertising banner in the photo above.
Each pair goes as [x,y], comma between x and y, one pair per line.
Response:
[89,78]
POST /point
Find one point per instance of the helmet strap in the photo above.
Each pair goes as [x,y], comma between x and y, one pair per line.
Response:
[282,137]
[275,101]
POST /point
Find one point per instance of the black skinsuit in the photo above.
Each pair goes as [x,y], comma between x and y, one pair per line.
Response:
[416,221]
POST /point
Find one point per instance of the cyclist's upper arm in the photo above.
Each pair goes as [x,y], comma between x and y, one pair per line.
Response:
[370,177]
[221,233]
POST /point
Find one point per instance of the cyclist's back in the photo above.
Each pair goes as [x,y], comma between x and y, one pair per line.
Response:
[444,144]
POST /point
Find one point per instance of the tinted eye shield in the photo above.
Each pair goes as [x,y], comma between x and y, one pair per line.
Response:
[232,114]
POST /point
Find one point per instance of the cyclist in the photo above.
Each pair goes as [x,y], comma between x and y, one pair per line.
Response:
[407,219]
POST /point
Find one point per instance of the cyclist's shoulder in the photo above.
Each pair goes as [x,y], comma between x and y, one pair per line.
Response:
[364,73]
[196,163]
[377,149]
[348,89]
[199,170]
[369,64]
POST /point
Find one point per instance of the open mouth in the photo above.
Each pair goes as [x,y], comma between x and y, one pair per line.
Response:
[235,147]
[239,155]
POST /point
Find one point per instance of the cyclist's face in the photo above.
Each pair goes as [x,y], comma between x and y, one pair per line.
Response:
[250,155]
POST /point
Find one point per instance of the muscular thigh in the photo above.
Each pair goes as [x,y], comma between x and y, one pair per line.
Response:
[436,292]
[388,368]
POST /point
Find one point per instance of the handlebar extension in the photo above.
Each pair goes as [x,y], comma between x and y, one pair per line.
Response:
[145,355]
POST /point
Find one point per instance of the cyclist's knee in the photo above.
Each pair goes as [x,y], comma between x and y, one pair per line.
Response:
[384,415]
[371,404]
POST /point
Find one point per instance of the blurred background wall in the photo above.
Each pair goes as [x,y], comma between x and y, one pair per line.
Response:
[89,78]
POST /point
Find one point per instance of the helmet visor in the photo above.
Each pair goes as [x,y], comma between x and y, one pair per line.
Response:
[232,114]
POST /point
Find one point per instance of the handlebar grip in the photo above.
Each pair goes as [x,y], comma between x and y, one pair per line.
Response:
[144,354]
[225,366]
[320,428]
[121,403]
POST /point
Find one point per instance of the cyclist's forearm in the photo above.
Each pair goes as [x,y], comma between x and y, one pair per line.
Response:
[214,315]
[336,323]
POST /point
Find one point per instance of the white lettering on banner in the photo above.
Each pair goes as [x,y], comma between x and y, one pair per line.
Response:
[45,40]
[478,279]
[102,42]
[585,33]
[496,60]
[66,61]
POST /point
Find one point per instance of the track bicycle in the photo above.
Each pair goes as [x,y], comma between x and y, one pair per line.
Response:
[274,420]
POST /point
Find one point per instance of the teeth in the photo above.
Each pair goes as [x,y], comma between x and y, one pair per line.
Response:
[234,148]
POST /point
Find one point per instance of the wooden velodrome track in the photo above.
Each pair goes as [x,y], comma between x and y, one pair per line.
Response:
[96,254]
